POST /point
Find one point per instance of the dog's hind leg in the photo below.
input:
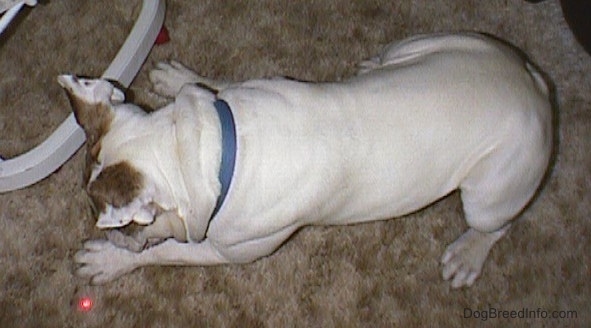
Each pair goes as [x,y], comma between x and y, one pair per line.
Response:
[494,192]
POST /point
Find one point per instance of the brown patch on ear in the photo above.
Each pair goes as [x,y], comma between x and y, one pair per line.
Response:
[116,185]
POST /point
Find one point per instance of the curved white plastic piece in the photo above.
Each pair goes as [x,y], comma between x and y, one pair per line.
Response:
[9,15]
[134,51]
[12,8]
[41,161]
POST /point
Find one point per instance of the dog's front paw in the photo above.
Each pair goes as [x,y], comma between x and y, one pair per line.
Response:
[168,78]
[103,262]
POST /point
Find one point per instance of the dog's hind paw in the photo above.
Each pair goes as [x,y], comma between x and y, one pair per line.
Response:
[102,261]
[464,258]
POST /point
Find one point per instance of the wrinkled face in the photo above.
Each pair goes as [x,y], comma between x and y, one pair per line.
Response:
[115,188]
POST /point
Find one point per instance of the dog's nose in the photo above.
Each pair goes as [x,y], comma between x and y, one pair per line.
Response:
[63,80]
[67,80]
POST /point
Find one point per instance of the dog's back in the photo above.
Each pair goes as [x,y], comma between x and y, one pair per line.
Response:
[392,139]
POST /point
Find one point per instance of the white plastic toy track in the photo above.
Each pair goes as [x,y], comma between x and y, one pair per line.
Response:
[41,161]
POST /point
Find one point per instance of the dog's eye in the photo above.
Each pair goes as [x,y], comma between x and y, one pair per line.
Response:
[87,82]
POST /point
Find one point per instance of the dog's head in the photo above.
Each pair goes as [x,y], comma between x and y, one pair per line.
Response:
[114,185]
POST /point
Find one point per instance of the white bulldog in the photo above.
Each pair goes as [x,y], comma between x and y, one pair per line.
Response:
[228,171]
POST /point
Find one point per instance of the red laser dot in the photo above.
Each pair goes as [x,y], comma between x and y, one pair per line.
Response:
[85,304]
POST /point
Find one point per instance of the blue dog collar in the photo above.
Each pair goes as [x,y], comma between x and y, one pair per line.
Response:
[228,151]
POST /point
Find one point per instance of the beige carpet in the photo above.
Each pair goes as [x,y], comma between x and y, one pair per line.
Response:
[375,275]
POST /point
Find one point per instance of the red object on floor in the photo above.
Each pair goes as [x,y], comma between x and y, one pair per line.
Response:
[163,36]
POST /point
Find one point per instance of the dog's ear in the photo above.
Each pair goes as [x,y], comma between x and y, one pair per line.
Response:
[117,185]
[103,91]
[117,97]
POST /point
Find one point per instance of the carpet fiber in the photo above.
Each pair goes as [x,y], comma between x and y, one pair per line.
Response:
[376,274]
